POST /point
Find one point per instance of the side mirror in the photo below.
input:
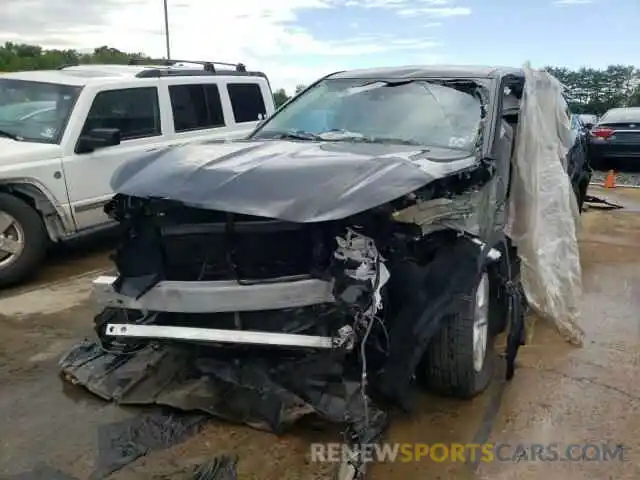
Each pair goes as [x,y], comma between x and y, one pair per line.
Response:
[98,138]
[588,126]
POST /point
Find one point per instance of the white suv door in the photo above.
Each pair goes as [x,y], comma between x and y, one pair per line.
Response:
[135,111]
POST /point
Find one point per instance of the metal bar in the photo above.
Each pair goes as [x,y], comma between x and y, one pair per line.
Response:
[241,227]
[217,297]
[204,62]
[220,336]
[167,62]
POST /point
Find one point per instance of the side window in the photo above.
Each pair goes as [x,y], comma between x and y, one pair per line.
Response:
[247,102]
[134,111]
[196,107]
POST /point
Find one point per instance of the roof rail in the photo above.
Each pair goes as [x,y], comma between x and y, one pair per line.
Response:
[208,66]
[192,72]
[67,65]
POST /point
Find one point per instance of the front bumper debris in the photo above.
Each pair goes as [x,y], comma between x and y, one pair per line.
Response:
[264,389]
[240,337]
[220,297]
[216,296]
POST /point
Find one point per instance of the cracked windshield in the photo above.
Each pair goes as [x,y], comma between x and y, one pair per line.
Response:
[414,112]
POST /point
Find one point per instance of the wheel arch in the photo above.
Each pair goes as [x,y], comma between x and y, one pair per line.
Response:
[57,221]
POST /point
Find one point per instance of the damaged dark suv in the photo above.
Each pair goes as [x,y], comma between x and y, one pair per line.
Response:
[358,234]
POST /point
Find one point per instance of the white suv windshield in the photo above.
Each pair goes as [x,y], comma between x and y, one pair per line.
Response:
[35,111]
[412,112]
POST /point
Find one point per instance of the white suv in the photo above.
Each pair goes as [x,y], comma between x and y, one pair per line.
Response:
[64,132]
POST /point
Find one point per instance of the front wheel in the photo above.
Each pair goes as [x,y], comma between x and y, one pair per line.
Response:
[460,360]
[23,240]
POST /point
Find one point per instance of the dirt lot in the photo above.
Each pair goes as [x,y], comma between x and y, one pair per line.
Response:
[560,394]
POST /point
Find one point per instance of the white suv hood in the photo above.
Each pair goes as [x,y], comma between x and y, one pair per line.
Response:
[12,151]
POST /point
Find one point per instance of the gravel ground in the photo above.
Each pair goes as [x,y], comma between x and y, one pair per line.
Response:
[622,178]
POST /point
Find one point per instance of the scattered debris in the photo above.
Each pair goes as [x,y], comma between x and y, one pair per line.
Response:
[121,443]
[220,468]
[600,203]
[268,391]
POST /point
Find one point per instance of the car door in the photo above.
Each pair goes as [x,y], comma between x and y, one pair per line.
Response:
[135,111]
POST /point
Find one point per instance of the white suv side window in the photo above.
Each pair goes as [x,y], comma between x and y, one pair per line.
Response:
[196,107]
[247,102]
[133,111]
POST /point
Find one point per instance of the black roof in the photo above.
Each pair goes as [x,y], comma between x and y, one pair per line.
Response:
[431,71]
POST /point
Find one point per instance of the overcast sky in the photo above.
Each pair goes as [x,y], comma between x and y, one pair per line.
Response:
[296,41]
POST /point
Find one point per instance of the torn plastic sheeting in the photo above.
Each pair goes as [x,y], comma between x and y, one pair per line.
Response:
[543,213]
[268,391]
[600,203]
[169,376]
[220,468]
[121,443]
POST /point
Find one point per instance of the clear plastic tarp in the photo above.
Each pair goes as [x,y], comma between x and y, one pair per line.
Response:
[543,215]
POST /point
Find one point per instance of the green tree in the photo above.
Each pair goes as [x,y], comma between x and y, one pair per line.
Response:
[280,97]
[17,57]
[634,101]
[596,91]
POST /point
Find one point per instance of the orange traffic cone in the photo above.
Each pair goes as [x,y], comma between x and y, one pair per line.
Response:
[610,181]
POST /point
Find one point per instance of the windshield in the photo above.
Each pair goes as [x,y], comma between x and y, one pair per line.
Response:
[411,112]
[35,111]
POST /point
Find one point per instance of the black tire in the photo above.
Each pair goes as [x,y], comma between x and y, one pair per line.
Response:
[448,366]
[35,240]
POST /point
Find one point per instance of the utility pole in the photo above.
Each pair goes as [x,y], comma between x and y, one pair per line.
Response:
[166,29]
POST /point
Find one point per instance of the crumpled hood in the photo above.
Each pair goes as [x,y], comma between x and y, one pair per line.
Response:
[288,180]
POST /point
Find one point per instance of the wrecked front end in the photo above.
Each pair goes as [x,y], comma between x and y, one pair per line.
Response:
[327,271]
[261,320]
[301,272]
